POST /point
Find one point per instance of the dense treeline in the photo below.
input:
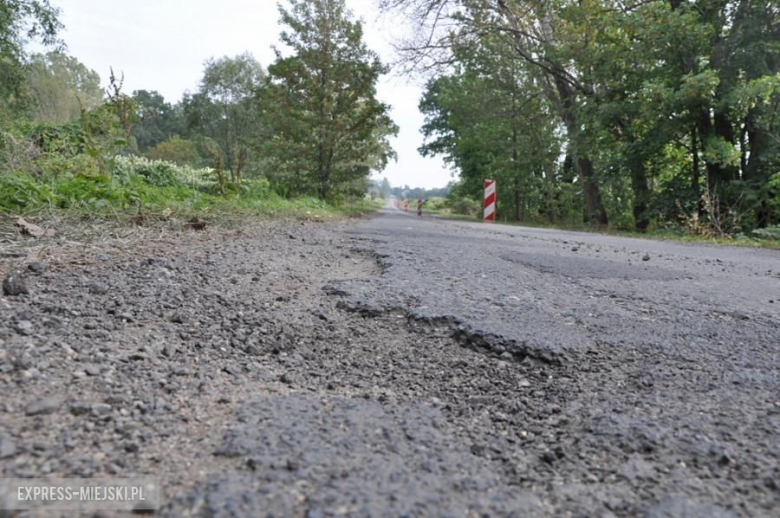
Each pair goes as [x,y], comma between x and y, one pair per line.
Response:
[384,189]
[420,193]
[308,125]
[638,114]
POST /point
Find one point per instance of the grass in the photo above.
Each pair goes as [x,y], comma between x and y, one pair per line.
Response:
[135,198]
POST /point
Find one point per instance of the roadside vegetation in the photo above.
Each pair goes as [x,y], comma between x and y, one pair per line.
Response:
[240,145]
[450,203]
[659,116]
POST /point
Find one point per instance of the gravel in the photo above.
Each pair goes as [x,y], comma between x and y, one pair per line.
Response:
[7,446]
[14,284]
[36,268]
[43,406]
[318,369]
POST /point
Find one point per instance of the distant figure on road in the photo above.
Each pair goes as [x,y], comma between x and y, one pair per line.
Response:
[419,207]
[406,205]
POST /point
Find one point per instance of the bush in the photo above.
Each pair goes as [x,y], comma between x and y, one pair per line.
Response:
[89,192]
[462,205]
[17,152]
[436,204]
[177,150]
[55,165]
[155,172]
[160,173]
[20,191]
[67,139]
[257,188]
[768,233]
[773,195]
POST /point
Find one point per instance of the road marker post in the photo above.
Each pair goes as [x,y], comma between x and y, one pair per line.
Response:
[489,215]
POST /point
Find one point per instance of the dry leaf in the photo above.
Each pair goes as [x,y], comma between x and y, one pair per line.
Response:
[29,229]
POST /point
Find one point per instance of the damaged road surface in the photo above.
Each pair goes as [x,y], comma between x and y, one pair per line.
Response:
[400,366]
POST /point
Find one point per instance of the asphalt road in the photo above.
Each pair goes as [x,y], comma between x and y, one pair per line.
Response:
[667,355]
[397,366]
[551,292]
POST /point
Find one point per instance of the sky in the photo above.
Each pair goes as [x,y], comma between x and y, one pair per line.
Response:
[162,45]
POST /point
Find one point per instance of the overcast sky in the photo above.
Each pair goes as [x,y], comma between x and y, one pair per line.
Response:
[162,44]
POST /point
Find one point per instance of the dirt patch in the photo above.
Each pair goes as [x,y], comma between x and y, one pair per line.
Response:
[144,346]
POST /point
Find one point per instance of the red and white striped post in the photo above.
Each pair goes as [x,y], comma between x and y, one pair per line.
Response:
[490,201]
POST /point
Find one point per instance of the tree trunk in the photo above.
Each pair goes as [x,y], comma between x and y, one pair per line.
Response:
[594,208]
[239,167]
[516,163]
[695,172]
[757,139]
[716,175]
[641,194]
[322,174]
[755,170]
[695,178]
[743,152]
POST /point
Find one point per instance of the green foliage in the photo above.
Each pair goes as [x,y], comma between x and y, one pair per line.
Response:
[52,164]
[20,192]
[122,107]
[772,233]
[154,172]
[463,206]
[102,134]
[328,128]
[56,149]
[156,120]
[718,150]
[258,188]
[160,173]
[176,150]
[17,150]
[63,147]
[667,113]
[130,193]
[487,119]
[225,111]
[659,114]
[77,183]
[20,22]
[60,87]
[66,139]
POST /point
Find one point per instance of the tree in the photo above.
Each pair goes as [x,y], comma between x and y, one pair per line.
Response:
[176,150]
[632,118]
[489,119]
[670,107]
[225,110]
[60,87]
[328,127]
[738,126]
[157,120]
[385,189]
[534,32]
[21,21]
